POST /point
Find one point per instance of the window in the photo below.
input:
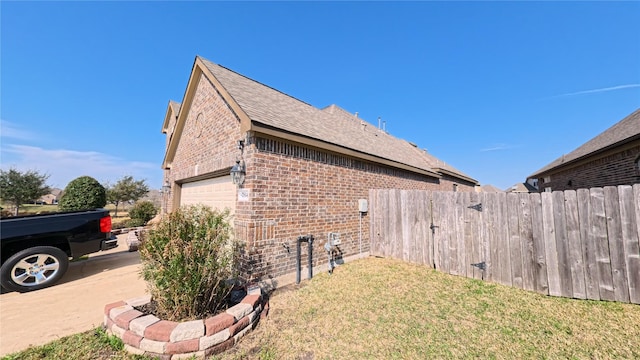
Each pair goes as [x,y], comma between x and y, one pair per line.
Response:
[547,189]
[547,179]
[455,187]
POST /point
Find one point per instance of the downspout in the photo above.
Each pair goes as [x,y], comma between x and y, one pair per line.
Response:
[361,214]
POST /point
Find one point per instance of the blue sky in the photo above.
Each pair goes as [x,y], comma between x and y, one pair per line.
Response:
[496,89]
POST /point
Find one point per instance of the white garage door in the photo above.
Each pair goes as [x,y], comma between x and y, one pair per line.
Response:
[219,193]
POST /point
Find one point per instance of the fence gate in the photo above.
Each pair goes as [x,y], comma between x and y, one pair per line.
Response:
[580,244]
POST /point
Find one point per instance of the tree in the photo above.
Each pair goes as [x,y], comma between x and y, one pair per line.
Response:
[126,189]
[18,188]
[83,193]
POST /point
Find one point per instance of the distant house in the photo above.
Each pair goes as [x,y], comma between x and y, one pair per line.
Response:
[304,170]
[489,188]
[51,198]
[521,188]
[609,159]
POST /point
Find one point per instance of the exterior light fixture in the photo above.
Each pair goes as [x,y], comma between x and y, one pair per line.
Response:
[238,173]
[166,187]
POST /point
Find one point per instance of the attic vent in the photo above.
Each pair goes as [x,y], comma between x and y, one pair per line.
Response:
[356,115]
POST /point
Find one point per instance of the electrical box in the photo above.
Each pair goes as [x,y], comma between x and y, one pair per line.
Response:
[334,239]
[363,205]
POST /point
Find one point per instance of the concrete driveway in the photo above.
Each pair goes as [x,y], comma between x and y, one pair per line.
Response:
[73,305]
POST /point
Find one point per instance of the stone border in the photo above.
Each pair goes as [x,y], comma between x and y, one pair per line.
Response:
[168,340]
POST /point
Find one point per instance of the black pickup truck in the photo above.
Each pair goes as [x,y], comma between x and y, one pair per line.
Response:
[35,249]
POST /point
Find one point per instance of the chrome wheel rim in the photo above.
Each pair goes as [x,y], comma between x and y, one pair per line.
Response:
[35,270]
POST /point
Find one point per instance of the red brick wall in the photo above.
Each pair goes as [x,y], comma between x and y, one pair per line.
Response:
[617,168]
[294,190]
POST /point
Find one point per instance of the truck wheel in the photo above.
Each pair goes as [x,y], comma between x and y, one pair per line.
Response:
[34,268]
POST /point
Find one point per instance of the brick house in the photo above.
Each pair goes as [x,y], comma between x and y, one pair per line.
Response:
[306,168]
[51,198]
[521,188]
[609,159]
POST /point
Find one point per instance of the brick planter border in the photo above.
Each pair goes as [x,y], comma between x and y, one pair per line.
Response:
[168,340]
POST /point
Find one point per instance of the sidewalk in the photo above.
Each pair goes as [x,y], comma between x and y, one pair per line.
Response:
[73,305]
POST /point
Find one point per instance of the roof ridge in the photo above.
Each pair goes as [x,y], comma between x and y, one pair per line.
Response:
[258,82]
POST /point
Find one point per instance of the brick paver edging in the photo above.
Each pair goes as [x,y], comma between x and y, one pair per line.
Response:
[168,340]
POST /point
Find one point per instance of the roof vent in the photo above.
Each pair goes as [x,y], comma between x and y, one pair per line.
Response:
[384,126]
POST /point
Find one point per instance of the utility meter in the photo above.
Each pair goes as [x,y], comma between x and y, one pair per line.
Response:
[363,206]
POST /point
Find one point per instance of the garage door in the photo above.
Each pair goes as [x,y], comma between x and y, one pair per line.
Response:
[219,193]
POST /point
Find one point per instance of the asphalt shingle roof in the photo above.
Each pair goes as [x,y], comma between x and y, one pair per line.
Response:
[622,131]
[490,188]
[332,124]
[521,188]
[175,106]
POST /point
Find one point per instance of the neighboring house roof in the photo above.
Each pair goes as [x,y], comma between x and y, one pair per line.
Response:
[56,192]
[521,188]
[490,188]
[626,130]
[264,109]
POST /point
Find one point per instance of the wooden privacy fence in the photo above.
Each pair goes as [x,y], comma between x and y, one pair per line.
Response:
[580,244]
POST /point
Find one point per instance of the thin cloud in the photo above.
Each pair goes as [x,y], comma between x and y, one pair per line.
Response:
[10,130]
[593,91]
[496,148]
[64,165]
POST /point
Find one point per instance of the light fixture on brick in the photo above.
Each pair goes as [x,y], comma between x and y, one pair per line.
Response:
[238,171]
[166,187]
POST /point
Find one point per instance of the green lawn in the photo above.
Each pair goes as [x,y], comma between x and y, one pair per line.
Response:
[27,209]
[386,309]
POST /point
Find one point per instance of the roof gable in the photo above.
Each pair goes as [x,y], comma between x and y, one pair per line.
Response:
[625,130]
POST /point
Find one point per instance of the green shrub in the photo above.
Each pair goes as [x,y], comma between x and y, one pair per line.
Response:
[143,211]
[134,223]
[187,260]
[83,193]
